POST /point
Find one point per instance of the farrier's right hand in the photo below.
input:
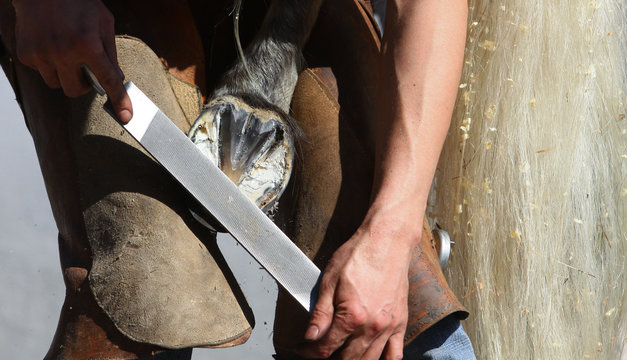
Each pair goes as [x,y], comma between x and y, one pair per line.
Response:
[56,37]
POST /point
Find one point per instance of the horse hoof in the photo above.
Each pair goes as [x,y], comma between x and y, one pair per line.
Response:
[253,146]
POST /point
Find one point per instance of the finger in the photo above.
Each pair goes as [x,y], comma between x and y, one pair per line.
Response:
[322,315]
[347,320]
[108,41]
[72,81]
[370,339]
[365,348]
[111,81]
[27,55]
[49,74]
[355,347]
[394,346]
[112,54]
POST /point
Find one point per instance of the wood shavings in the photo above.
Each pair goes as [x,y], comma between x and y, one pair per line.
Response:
[594,5]
[465,127]
[543,151]
[610,312]
[462,86]
[490,112]
[488,45]
[466,96]
[532,102]
[486,186]
[488,145]
[515,235]
[523,28]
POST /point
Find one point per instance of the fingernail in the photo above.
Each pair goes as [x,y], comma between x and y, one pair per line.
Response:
[125,116]
[312,333]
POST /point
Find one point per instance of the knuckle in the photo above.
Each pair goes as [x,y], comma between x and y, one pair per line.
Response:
[353,316]
[325,353]
[110,81]
[85,43]
[320,313]
[61,46]
[382,322]
[327,283]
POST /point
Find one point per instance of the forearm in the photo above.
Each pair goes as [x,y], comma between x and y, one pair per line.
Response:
[422,54]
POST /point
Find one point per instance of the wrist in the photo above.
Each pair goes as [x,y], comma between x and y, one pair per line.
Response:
[400,222]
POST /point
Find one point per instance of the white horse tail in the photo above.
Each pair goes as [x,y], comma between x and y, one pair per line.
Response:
[532,182]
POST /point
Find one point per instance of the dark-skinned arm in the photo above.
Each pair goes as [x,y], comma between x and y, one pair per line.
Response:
[57,37]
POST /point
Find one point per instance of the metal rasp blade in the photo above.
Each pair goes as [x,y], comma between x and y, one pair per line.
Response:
[219,196]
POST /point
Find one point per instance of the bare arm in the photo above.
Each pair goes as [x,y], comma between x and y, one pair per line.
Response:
[363,295]
[57,37]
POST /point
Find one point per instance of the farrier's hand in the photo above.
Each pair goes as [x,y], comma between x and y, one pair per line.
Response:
[362,305]
[56,37]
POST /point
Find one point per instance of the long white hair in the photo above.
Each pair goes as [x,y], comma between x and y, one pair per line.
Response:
[532,182]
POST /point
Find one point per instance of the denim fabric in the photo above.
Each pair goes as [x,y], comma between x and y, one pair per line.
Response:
[184,354]
[446,340]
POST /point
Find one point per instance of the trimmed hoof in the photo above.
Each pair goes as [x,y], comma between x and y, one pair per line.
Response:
[254,147]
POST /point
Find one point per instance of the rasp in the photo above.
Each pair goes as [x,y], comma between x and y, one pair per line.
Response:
[285,262]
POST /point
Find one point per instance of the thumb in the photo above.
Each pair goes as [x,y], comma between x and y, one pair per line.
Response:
[322,314]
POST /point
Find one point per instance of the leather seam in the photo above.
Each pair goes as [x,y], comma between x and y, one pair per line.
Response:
[323,90]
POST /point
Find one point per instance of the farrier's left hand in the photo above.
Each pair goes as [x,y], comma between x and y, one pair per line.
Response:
[362,307]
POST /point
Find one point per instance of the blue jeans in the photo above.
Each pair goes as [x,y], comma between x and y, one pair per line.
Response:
[445,340]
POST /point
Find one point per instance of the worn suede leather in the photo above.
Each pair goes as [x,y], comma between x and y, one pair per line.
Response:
[124,225]
[153,270]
